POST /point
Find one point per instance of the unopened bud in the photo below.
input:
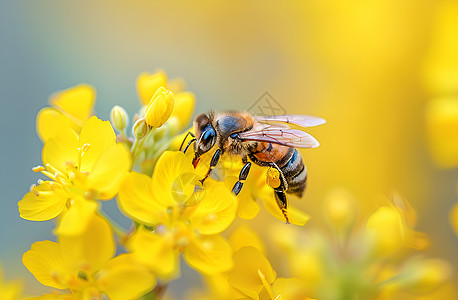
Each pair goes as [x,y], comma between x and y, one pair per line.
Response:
[159,108]
[140,128]
[339,209]
[118,117]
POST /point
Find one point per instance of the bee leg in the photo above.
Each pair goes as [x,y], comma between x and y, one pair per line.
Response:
[213,164]
[189,144]
[186,136]
[242,177]
[280,197]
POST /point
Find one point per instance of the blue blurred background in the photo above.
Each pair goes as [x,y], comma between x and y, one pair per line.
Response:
[369,67]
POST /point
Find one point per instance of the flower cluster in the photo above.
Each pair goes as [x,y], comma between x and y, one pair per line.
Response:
[175,216]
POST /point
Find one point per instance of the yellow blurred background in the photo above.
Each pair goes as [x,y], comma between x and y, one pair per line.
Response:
[370,68]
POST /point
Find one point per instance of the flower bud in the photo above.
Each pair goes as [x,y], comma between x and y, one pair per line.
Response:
[339,209]
[118,117]
[159,108]
[386,231]
[140,128]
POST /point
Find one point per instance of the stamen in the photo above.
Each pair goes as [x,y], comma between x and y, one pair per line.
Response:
[85,148]
[33,188]
[38,169]
[266,285]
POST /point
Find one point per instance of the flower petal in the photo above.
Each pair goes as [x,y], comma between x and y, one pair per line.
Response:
[171,179]
[124,278]
[248,208]
[244,236]
[109,170]
[183,108]
[92,249]
[100,136]
[216,211]
[295,216]
[147,85]
[137,201]
[76,219]
[50,121]
[209,254]
[76,102]
[61,151]
[44,260]
[47,205]
[157,252]
[248,262]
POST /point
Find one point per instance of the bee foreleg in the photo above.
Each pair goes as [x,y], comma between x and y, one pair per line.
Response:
[185,137]
[189,144]
[213,163]
[282,202]
[242,177]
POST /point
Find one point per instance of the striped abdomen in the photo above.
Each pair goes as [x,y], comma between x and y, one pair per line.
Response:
[288,159]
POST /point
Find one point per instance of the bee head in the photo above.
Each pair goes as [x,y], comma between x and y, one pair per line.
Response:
[205,134]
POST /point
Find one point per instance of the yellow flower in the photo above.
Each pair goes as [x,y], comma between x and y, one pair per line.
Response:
[85,265]
[147,86]
[442,130]
[159,108]
[71,108]
[253,276]
[186,217]
[82,169]
[9,290]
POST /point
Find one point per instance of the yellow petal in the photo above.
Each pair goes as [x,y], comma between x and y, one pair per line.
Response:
[290,289]
[209,254]
[10,290]
[147,85]
[76,102]
[100,136]
[109,170]
[442,129]
[61,151]
[295,216]
[92,249]
[171,179]
[179,140]
[137,201]
[247,208]
[386,230]
[249,262]
[47,205]
[76,219]
[157,252]
[44,260]
[183,108]
[50,121]
[159,108]
[124,278]
[243,236]
[216,211]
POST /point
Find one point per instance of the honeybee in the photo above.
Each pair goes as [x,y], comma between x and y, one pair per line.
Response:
[264,140]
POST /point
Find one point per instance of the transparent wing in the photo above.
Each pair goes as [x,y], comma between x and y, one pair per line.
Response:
[301,120]
[281,135]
